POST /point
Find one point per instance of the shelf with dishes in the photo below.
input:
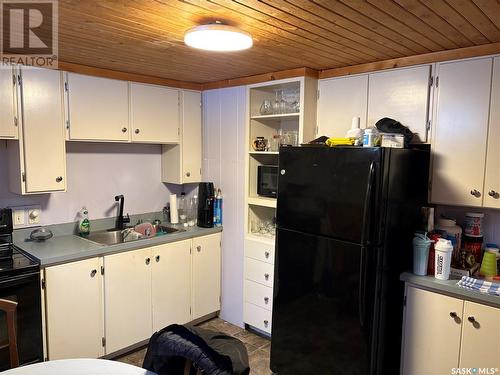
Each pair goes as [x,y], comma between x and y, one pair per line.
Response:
[276,116]
[262,201]
[261,221]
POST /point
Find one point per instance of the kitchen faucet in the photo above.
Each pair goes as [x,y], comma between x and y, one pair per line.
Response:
[120,220]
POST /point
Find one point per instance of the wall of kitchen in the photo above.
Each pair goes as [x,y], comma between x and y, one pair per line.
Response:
[224,118]
[96,172]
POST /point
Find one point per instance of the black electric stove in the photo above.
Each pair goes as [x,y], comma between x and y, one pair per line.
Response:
[19,282]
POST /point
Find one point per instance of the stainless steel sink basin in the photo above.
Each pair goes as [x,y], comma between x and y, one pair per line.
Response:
[107,237]
[113,237]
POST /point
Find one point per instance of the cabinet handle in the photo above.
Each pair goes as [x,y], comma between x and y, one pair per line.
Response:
[266,323]
[475,193]
[267,253]
[266,276]
[198,248]
[471,319]
[148,260]
[124,130]
[493,193]
[93,273]
[453,314]
[157,258]
[266,300]
[188,174]
[137,131]
[59,179]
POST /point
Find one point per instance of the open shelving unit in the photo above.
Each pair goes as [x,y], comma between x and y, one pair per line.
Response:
[259,247]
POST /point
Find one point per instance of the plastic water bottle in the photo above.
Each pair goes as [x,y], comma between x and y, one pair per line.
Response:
[218,209]
[182,208]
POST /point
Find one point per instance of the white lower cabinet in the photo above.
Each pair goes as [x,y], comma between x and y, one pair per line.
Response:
[171,284]
[103,305]
[441,333]
[259,279]
[206,279]
[74,309]
[127,298]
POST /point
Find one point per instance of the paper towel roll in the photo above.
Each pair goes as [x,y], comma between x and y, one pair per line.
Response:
[174,215]
[355,123]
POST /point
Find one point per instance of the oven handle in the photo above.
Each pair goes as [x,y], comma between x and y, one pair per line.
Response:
[19,279]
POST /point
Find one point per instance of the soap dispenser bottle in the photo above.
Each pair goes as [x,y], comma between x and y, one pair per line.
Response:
[84,223]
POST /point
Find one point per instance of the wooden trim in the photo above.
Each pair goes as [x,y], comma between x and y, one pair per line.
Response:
[426,58]
[124,76]
[290,73]
[10,310]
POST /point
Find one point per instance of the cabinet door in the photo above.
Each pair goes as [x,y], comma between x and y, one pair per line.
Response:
[206,275]
[43,130]
[98,108]
[341,99]
[460,132]
[74,310]
[480,336]
[171,284]
[492,176]
[154,113]
[8,107]
[127,297]
[191,137]
[431,333]
[403,95]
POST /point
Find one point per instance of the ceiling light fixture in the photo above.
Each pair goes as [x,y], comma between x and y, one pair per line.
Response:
[218,37]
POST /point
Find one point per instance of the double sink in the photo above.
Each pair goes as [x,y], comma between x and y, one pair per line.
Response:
[116,236]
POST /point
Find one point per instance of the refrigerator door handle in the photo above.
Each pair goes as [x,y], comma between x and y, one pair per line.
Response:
[362,288]
[365,240]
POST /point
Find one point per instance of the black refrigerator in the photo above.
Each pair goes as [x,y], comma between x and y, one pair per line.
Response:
[345,220]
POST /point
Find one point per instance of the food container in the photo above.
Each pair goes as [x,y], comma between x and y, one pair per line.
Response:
[434,237]
[473,224]
[442,259]
[369,138]
[393,140]
[473,247]
[489,265]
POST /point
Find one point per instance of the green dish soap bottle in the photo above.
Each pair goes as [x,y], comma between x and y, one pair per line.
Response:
[84,223]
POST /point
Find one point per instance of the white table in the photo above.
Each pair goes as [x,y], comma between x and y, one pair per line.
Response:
[78,367]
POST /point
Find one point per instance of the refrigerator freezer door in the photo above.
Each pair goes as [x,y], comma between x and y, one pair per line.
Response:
[324,306]
[329,191]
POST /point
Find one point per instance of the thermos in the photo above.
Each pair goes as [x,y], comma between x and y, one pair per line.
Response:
[206,199]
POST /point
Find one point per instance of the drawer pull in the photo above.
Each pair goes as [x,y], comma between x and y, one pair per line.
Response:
[474,322]
[266,323]
[266,300]
[471,319]
[493,194]
[157,258]
[267,254]
[453,314]
[266,276]
[148,260]
[93,273]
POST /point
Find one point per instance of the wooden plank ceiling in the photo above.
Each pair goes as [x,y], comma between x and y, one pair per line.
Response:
[146,36]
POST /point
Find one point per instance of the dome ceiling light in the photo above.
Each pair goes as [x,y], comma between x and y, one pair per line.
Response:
[218,37]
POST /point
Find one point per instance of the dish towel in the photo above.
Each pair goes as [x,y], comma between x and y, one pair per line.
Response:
[482,286]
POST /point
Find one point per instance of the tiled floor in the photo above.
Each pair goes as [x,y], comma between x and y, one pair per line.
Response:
[258,347]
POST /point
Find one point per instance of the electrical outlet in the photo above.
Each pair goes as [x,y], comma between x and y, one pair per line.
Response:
[26,216]
[18,218]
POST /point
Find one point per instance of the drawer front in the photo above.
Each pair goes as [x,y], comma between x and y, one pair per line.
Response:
[259,272]
[258,317]
[260,250]
[259,295]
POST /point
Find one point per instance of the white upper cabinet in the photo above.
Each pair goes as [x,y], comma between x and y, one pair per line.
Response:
[181,163]
[98,108]
[8,107]
[403,95]
[341,99]
[492,176]
[154,112]
[460,132]
[38,160]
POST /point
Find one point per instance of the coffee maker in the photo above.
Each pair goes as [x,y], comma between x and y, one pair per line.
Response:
[206,199]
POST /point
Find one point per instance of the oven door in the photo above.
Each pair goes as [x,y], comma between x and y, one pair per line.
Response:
[25,290]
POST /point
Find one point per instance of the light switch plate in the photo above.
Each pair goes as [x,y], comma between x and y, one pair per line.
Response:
[26,216]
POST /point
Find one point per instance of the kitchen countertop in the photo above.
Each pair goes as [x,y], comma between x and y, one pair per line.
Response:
[450,288]
[71,248]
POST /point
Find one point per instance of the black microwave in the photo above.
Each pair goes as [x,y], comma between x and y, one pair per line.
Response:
[267,181]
